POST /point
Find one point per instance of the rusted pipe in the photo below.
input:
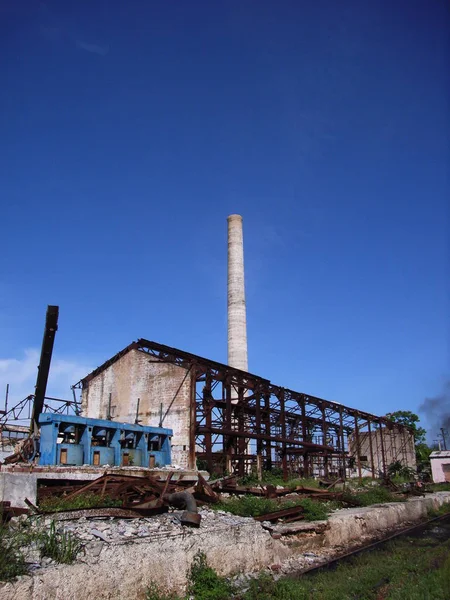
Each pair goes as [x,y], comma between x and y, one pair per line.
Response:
[186,501]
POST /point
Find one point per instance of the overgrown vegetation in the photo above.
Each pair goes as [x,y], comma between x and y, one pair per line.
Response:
[440,487]
[203,584]
[12,562]
[18,539]
[275,477]
[406,569]
[247,506]
[398,470]
[55,504]
[373,495]
[255,506]
[63,547]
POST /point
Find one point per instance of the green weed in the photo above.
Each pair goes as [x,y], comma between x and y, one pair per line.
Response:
[63,547]
[247,506]
[314,511]
[373,495]
[275,477]
[53,504]
[12,562]
[205,584]
[255,506]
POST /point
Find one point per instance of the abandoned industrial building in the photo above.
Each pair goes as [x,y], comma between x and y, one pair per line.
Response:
[228,420]
[152,405]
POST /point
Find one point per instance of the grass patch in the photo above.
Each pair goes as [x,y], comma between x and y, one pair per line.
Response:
[374,495]
[275,477]
[407,569]
[255,506]
[53,504]
[247,506]
[440,487]
[315,511]
[17,540]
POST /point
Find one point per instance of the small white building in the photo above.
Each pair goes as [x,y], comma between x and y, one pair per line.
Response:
[440,466]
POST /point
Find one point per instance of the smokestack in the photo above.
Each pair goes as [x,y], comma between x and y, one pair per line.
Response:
[237,319]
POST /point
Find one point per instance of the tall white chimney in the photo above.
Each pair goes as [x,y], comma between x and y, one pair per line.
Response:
[237,318]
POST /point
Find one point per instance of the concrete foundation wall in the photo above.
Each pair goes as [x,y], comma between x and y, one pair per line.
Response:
[133,376]
[350,527]
[124,570]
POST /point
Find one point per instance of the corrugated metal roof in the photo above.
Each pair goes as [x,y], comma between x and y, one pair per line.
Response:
[440,454]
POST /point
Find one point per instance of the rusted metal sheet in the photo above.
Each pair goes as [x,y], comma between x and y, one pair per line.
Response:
[140,496]
[7,511]
[285,513]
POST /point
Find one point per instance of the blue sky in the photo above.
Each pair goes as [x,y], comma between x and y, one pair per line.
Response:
[131,130]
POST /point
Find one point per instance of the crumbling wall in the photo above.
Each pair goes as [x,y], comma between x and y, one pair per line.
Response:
[398,446]
[138,375]
[126,568]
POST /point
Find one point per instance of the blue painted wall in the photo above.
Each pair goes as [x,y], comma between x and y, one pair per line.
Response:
[71,440]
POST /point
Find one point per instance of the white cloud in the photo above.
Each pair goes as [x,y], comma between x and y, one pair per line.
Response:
[21,374]
[95,48]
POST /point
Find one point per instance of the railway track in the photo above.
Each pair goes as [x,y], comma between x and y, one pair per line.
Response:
[414,530]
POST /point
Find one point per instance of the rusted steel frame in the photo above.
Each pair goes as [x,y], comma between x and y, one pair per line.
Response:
[272,438]
[342,444]
[369,428]
[241,442]
[222,454]
[259,445]
[358,447]
[383,455]
[392,436]
[283,435]
[266,436]
[405,447]
[304,437]
[207,395]
[276,412]
[228,431]
[182,356]
[324,438]
[221,371]
[192,418]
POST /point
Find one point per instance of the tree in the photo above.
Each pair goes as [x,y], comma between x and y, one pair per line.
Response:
[410,419]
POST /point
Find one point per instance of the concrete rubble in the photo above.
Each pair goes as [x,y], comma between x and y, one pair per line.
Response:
[120,557]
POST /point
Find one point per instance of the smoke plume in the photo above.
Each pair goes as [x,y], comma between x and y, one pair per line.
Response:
[437,412]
